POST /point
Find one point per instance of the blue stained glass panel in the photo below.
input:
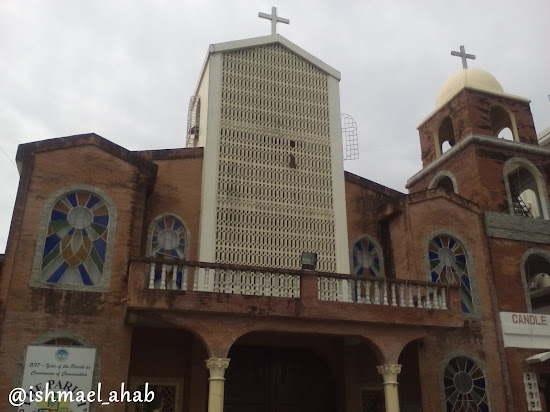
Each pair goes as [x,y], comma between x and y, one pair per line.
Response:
[71,197]
[51,242]
[60,271]
[452,242]
[85,276]
[57,215]
[94,200]
[480,382]
[465,281]
[101,247]
[102,220]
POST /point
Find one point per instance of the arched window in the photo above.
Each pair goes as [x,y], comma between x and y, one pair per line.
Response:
[76,246]
[446,183]
[536,272]
[525,188]
[168,237]
[62,341]
[465,386]
[445,135]
[449,264]
[503,123]
[505,134]
[367,258]
[445,180]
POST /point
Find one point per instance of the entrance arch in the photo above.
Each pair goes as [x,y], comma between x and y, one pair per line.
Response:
[276,379]
[279,372]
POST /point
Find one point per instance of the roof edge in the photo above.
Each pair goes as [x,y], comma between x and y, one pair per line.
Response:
[29,149]
[471,139]
[372,185]
[271,39]
[476,89]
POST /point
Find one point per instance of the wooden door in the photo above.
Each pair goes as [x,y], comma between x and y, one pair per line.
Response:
[278,380]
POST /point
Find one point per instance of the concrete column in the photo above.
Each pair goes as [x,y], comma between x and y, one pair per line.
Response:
[217,367]
[389,372]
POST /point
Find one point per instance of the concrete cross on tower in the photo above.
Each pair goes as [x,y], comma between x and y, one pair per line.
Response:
[274,19]
[462,54]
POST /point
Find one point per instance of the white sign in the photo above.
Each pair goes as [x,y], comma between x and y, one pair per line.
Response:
[525,330]
[62,369]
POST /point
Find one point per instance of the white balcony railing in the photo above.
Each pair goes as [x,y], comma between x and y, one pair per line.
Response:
[243,280]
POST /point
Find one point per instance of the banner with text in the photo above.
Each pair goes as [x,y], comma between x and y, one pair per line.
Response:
[65,370]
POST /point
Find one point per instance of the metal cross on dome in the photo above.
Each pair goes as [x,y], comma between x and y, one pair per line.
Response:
[274,19]
[462,54]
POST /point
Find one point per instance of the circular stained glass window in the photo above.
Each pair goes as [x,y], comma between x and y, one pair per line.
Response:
[168,238]
[449,264]
[366,259]
[465,386]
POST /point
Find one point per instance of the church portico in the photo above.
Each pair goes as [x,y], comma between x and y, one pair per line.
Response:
[361,361]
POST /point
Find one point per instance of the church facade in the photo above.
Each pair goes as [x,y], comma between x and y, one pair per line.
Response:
[249,272]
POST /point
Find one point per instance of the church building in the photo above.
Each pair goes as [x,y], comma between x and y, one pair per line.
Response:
[248,272]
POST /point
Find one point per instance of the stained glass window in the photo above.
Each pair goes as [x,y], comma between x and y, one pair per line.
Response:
[465,386]
[76,240]
[366,259]
[168,238]
[168,241]
[449,264]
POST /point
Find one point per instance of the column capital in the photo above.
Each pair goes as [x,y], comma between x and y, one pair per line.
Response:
[389,371]
[217,367]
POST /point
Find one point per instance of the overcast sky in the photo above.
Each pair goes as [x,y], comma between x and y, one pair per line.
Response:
[126,69]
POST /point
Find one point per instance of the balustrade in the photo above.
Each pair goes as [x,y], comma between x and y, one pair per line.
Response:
[244,280]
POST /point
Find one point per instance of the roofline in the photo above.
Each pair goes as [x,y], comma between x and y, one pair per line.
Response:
[262,41]
[30,149]
[170,154]
[473,139]
[439,192]
[476,89]
[372,185]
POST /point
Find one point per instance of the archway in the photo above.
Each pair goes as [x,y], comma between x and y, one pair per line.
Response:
[525,190]
[171,362]
[274,379]
[445,135]
[290,372]
[503,123]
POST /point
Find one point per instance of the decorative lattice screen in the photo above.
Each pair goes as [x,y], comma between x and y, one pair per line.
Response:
[275,181]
